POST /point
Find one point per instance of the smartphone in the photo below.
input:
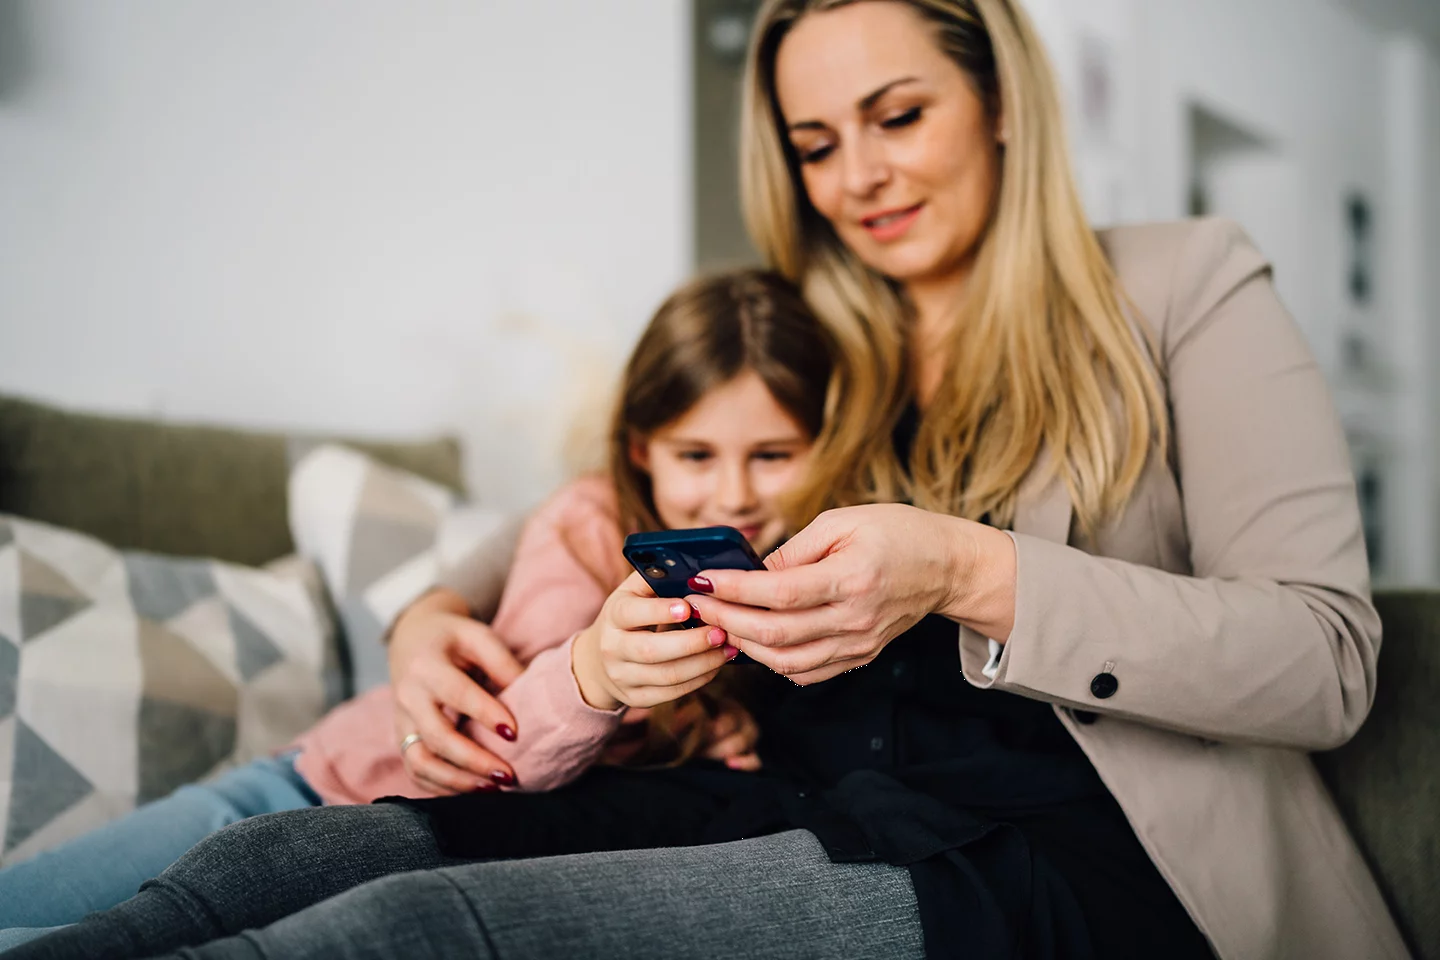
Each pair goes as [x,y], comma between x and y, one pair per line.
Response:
[667,559]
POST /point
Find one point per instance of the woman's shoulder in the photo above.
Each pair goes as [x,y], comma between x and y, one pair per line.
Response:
[1174,271]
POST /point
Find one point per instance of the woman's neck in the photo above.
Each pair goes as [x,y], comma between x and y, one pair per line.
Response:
[934,305]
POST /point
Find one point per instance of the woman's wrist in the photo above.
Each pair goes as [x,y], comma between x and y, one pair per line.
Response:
[585,665]
[982,571]
[435,600]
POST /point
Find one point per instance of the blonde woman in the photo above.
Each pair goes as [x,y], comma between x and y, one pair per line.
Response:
[1081,511]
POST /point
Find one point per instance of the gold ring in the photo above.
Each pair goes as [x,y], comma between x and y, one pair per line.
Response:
[409,742]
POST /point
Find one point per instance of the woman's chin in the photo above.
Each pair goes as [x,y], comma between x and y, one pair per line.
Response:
[907,261]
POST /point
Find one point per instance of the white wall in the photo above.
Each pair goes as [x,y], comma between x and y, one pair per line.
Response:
[1414,230]
[359,216]
[1304,75]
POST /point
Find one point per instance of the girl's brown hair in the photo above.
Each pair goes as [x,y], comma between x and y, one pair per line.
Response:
[706,334]
[702,337]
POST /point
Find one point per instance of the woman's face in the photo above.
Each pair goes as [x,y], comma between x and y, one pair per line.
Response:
[727,460]
[896,147]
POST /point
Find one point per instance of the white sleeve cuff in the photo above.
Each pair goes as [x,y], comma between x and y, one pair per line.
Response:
[993,666]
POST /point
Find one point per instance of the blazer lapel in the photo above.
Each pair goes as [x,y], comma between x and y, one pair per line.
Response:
[1043,508]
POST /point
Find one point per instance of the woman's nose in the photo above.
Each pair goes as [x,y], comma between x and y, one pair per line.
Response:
[864,167]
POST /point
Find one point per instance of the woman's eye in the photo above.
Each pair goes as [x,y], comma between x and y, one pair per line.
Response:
[901,119]
[815,155]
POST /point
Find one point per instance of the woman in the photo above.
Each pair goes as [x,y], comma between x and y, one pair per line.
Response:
[1131,501]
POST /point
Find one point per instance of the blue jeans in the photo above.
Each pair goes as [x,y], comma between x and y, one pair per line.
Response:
[107,865]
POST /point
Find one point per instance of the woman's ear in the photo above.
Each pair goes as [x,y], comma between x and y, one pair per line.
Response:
[639,450]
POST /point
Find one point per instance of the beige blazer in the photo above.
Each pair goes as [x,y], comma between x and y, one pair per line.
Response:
[1229,606]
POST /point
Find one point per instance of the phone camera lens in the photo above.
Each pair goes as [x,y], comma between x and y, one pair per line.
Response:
[654,572]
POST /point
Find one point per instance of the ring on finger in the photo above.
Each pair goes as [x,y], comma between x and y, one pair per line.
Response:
[409,742]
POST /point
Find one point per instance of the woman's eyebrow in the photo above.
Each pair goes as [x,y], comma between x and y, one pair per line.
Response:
[863,104]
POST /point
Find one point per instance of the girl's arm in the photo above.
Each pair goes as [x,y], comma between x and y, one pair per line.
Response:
[566,562]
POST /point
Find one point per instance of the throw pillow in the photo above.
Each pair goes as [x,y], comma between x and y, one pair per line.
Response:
[124,675]
[382,537]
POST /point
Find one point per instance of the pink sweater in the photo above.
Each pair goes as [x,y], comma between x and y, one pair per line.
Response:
[566,564]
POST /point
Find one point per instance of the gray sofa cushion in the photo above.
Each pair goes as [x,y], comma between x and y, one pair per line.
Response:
[1386,781]
[170,488]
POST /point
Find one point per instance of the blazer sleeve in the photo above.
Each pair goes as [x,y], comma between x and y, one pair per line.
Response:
[1273,639]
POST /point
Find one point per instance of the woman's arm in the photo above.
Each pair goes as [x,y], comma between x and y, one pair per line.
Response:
[1272,640]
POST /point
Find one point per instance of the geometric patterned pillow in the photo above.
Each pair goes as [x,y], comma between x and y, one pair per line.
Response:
[124,675]
[382,537]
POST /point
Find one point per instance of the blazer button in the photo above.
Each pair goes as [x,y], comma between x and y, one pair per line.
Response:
[1104,685]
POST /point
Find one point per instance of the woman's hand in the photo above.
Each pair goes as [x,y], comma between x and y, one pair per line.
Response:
[732,737]
[623,660]
[436,649]
[855,579]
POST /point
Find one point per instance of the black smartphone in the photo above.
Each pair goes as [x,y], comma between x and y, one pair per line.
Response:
[667,559]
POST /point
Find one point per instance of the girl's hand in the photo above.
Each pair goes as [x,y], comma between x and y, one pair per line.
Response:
[623,660]
[732,738]
[856,578]
[436,650]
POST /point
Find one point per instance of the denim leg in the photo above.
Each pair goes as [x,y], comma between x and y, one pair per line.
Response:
[108,864]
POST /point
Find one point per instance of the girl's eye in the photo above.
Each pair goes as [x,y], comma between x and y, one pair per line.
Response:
[815,155]
[901,119]
[694,456]
[774,456]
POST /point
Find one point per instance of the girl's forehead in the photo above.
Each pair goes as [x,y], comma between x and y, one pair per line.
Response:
[740,409]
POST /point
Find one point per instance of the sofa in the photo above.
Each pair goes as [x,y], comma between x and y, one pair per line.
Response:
[221,493]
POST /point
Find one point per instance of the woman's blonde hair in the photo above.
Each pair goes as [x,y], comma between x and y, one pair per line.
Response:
[1041,354]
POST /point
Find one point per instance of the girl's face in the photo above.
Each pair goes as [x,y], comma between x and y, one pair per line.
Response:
[897,151]
[726,460]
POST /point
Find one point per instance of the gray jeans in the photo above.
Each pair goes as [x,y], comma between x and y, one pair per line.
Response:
[329,883]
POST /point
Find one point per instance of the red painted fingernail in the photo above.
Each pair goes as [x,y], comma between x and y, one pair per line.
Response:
[701,585]
[731,652]
[485,786]
[716,636]
[680,610]
[503,777]
[506,731]
[694,612]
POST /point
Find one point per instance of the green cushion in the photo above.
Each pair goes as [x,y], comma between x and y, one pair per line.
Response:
[1386,781]
[175,489]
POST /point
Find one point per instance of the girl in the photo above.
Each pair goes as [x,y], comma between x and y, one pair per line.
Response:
[719,404]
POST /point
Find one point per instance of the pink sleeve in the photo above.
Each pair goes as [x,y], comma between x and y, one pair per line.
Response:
[565,565]
[568,552]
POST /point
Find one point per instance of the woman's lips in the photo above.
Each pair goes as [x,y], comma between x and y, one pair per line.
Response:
[892,224]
